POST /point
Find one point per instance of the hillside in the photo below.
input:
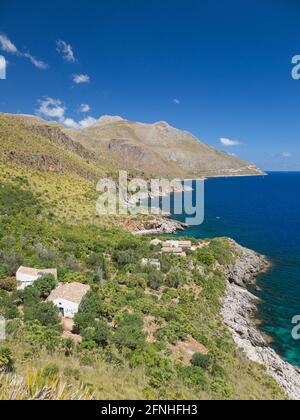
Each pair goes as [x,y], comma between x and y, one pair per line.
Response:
[136,330]
[159,149]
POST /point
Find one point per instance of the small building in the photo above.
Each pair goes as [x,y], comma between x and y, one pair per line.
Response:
[185,244]
[171,244]
[150,261]
[27,276]
[67,297]
[177,244]
[179,252]
[156,242]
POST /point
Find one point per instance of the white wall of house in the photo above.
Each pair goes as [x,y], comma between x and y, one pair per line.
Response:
[25,280]
[172,243]
[68,309]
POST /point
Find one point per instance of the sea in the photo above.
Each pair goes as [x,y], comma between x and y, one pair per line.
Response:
[262,213]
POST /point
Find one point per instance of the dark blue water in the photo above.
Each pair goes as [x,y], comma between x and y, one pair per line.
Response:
[263,213]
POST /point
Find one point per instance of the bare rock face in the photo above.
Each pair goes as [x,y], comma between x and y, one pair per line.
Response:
[38,161]
[161,149]
[247,266]
[239,307]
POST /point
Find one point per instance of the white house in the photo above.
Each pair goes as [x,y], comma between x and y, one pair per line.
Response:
[67,298]
[156,242]
[179,252]
[150,261]
[177,244]
[27,276]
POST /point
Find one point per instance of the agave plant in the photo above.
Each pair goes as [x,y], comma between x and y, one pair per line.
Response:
[35,386]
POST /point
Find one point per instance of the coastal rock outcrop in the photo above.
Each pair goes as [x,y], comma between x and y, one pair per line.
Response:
[239,307]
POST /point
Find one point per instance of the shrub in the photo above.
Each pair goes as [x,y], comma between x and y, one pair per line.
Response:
[92,304]
[130,332]
[12,262]
[124,257]
[43,253]
[9,284]
[155,280]
[194,375]
[102,334]
[205,257]
[45,313]
[45,285]
[165,264]
[99,334]
[6,359]
[7,307]
[173,280]
[222,250]
[50,370]
[71,277]
[201,360]
[82,321]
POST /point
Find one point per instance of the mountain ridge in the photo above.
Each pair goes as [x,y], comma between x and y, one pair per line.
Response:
[160,149]
[113,144]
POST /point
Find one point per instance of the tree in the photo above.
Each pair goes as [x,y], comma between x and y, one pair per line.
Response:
[173,280]
[8,309]
[45,313]
[44,285]
[155,279]
[92,304]
[125,257]
[9,284]
[91,307]
[102,334]
[130,333]
[12,262]
[82,321]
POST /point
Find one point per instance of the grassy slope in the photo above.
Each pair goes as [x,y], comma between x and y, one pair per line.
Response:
[57,211]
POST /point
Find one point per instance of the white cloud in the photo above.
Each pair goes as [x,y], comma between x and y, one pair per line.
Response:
[37,63]
[70,123]
[84,108]
[66,51]
[7,46]
[176,101]
[87,122]
[228,142]
[81,78]
[287,154]
[51,108]
[54,109]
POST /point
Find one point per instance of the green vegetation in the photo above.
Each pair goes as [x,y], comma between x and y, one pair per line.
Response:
[134,319]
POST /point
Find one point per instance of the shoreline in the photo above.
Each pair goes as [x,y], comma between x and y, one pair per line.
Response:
[238,311]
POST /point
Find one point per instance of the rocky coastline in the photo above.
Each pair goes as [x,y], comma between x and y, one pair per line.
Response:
[159,226]
[239,308]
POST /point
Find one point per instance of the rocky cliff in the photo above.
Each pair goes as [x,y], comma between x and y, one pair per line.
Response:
[239,308]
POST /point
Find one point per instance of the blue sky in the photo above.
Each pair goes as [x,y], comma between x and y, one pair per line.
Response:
[221,69]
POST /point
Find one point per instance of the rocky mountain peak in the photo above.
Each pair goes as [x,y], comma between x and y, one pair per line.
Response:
[109,119]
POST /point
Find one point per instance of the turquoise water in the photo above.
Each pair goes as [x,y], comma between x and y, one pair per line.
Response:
[263,213]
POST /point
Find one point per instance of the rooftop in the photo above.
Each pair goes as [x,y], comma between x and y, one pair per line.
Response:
[74,292]
[36,271]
